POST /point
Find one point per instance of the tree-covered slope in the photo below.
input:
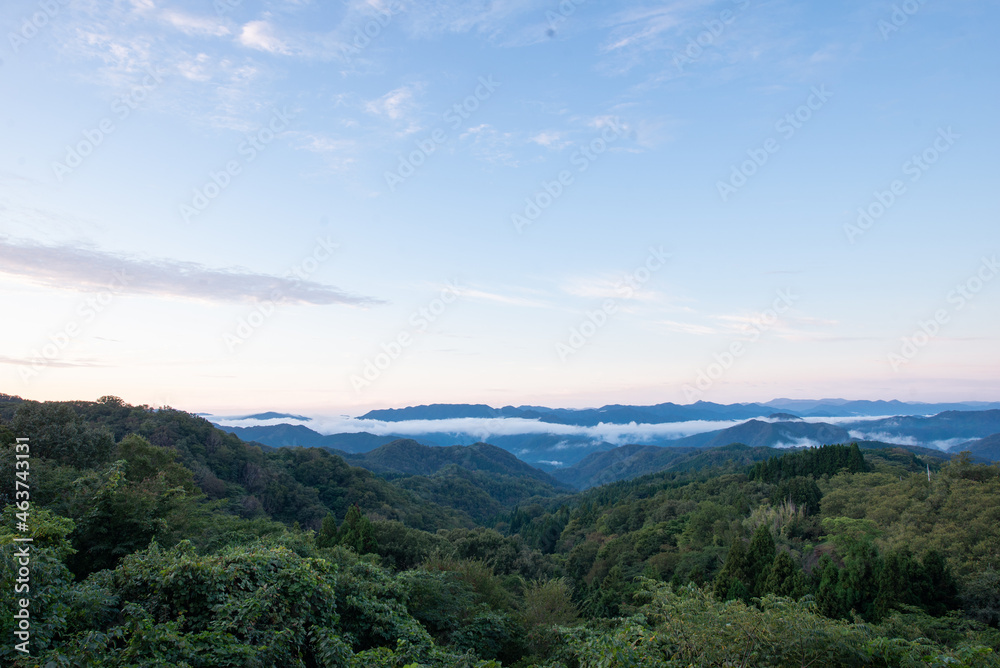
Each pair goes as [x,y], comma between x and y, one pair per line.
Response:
[984,449]
[292,435]
[408,457]
[286,484]
[480,480]
[760,434]
[633,461]
[160,540]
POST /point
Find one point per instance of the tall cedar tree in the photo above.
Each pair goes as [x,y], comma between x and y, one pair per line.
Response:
[760,558]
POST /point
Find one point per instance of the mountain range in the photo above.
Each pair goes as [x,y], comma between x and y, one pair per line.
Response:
[556,461]
[291,435]
[670,412]
[757,433]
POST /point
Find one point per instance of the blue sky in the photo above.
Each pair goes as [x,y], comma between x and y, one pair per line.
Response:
[331,207]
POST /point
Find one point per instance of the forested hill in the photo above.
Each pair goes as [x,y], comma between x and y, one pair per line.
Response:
[286,484]
[480,480]
[160,540]
[292,435]
[407,457]
[621,463]
[757,433]
[633,461]
[984,449]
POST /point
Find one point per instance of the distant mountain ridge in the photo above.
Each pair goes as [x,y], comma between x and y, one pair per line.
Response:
[756,433]
[554,450]
[670,412]
[983,449]
[944,426]
[589,417]
[271,415]
[291,435]
[846,408]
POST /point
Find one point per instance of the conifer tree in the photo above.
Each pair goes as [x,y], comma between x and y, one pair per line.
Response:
[328,532]
[732,578]
[829,597]
[760,559]
[855,460]
[357,532]
[785,578]
[941,590]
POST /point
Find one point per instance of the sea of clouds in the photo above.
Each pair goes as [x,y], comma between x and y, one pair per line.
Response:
[485,428]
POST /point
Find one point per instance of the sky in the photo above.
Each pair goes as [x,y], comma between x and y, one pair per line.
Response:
[330,207]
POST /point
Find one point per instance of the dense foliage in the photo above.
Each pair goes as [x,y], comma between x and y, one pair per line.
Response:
[161,540]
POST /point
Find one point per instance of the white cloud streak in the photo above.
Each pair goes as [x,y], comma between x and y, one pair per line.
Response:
[72,268]
[260,35]
[484,428]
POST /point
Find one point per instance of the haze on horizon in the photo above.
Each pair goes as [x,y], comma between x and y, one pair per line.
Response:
[284,205]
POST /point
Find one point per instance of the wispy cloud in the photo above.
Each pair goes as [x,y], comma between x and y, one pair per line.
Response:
[510,300]
[494,20]
[642,27]
[610,286]
[888,437]
[485,428]
[74,268]
[59,363]
[190,24]
[797,443]
[396,105]
[550,139]
[491,145]
[685,327]
[260,35]
[339,153]
[210,78]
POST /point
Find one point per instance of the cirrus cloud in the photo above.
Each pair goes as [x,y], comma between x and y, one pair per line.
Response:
[68,267]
